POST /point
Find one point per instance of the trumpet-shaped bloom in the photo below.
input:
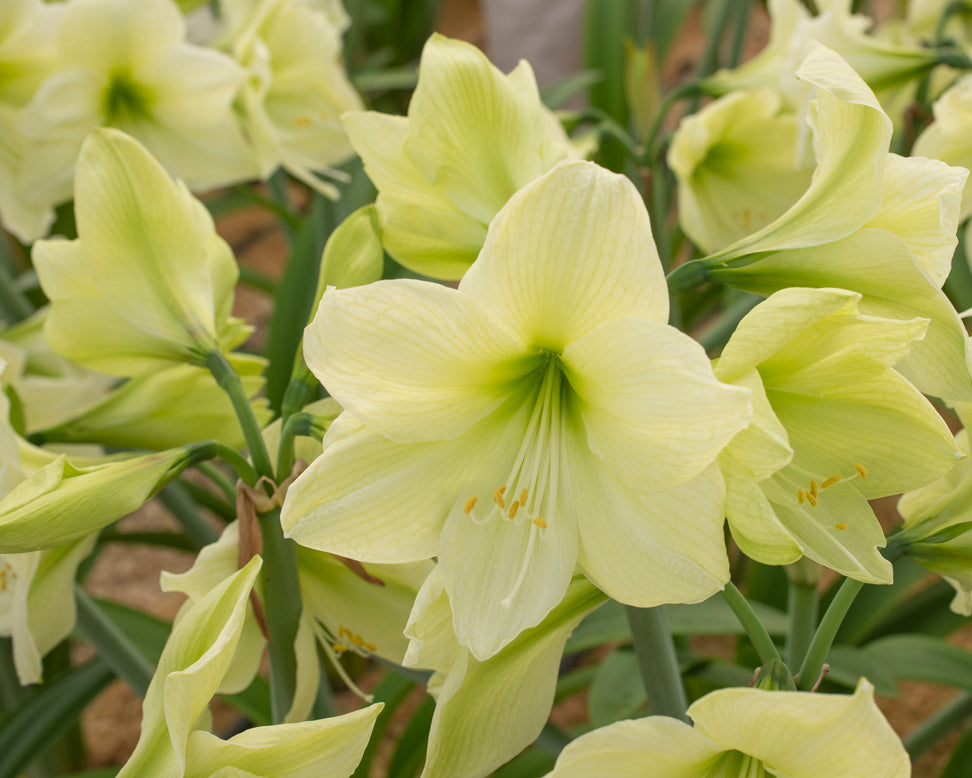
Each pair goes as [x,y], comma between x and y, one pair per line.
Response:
[948,137]
[50,388]
[343,611]
[27,57]
[738,167]
[297,88]
[193,665]
[888,68]
[148,282]
[748,732]
[487,712]
[37,608]
[37,587]
[472,138]
[834,426]
[127,65]
[173,407]
[870,221]
[937,532]
[60,503]
[540,416]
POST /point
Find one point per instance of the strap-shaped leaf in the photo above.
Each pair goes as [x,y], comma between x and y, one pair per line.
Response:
[30,728]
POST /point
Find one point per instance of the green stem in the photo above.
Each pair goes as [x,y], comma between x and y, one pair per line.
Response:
[281,596]
[296,424]
[739,35]
[213,449]
[229,381]
[750,622]
[687,276]
[823,639]
[258,280]
[205,498]
[803,607]
[939,724]
[112,645]
[657,661]
[717,334]
[184,509]
[214,474]
[12,300]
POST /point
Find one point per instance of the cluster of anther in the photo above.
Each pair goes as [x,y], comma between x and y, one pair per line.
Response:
[499,498]
[6,574]
[351,640]
[811,495]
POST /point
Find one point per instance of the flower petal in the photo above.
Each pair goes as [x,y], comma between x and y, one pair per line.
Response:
[413,360]
[658,746]
[503,575]
[812,735]
[568,252]
[330,747]
[478,133]
[653,410]
[650,548]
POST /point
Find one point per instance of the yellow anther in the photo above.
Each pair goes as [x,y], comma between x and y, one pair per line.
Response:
[523,496]
[514,508]
[830,481]
[303,121]
[498,497]
[343,631]
[861,470]
[842,526]
[801,496]
[356,639]
[814,488]
[812,499]
[339,648]
[470,504]
[540,523]
[371,647]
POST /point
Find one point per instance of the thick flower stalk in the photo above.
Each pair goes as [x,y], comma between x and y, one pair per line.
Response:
[540,416]
[148,283]
[834,426]
[472,138]
[748,732]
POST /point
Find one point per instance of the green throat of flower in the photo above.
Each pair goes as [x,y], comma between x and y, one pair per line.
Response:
[529,492]
[124,99]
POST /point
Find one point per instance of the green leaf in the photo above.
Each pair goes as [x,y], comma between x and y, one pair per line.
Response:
[30,728]
[532,763]
[923,658]
[876,603]
[410,752]
[392,691]
[615,692]
[925,612]
[848,665]
[958,765]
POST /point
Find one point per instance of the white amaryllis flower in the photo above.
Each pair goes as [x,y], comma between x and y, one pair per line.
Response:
[542,415]
[128,65]
[748,732]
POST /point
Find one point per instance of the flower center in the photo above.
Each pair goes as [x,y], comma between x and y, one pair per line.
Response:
[812,495]
[529,491]
[124,99]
